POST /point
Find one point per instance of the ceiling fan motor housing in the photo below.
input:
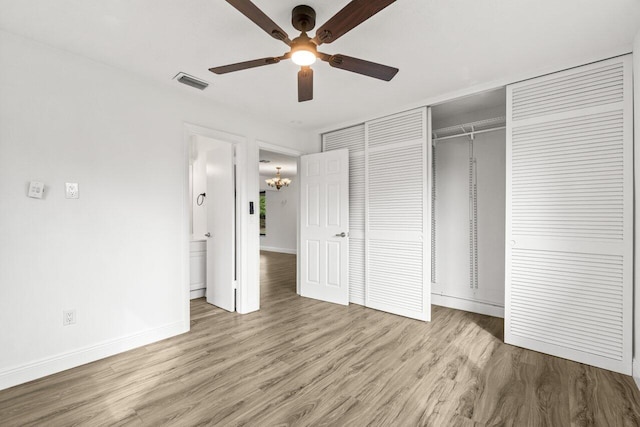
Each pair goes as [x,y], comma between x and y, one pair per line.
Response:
[303,42]
[303,18]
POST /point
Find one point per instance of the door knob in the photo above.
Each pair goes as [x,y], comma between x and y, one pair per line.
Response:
[343,234]
[208,235]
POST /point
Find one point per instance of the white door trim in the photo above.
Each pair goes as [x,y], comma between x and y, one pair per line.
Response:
[262,145]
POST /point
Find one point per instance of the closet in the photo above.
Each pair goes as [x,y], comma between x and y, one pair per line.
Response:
[427,208]
[468,203]
[515,203]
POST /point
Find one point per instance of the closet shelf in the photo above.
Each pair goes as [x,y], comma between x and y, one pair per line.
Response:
[479,126]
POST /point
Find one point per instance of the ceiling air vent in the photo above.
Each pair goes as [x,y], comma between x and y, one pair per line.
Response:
[191,81]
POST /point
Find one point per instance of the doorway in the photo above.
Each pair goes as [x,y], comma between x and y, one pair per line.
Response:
[214,260]
[468,203]
[213,217]
[278,205]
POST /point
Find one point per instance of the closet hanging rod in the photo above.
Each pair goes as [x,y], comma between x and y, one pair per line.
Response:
[471,128]
[442,138]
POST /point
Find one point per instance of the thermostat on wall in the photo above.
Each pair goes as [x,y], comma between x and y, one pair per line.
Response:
[36,189]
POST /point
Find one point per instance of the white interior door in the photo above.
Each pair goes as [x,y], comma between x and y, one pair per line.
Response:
[221,225]
[324,226]
[570,214]
[398,211]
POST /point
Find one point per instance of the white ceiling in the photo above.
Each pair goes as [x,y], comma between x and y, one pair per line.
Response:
[439,47]
[289,164]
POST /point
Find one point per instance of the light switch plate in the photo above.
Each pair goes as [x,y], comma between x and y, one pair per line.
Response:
[36,189]
[71,190]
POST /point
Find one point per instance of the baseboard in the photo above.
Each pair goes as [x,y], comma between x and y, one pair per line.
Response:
[281,250]
[467,305]
[197,293]
[61,362]
[636,372]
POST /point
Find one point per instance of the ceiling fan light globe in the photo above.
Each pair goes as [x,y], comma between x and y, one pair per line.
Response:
[303,57]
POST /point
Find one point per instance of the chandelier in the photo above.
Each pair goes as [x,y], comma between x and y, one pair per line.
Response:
[278,182]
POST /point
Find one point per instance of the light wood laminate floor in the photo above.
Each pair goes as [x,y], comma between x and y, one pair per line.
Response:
[304,362]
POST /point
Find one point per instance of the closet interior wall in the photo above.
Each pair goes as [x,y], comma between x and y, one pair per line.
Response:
[468,229]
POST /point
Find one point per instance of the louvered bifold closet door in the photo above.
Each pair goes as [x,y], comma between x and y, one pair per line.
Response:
[398,215]
[569,214]
[352,138]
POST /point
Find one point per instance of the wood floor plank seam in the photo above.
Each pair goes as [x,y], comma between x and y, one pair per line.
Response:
[303,362]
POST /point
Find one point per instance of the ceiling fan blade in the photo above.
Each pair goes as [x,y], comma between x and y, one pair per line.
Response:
[305,84]
[251,11]
[349,17]
[360,66]
[247,64]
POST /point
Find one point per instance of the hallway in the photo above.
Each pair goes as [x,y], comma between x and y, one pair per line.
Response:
[277,277]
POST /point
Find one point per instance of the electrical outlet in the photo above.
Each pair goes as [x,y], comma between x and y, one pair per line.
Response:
[72,191]
[68,317]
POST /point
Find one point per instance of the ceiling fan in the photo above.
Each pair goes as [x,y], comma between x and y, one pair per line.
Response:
[304,50]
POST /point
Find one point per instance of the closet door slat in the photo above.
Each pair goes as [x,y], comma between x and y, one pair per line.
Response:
[398,215]
[356,191]
[356,271]
[570,215]
[352,138]
[601,84]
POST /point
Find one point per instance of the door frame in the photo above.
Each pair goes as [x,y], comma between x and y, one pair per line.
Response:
[262,145]
[239,143]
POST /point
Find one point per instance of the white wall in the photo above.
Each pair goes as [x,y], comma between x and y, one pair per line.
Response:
[282,208]
[118,254]
[199,174]
[636,109]
[199,148]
